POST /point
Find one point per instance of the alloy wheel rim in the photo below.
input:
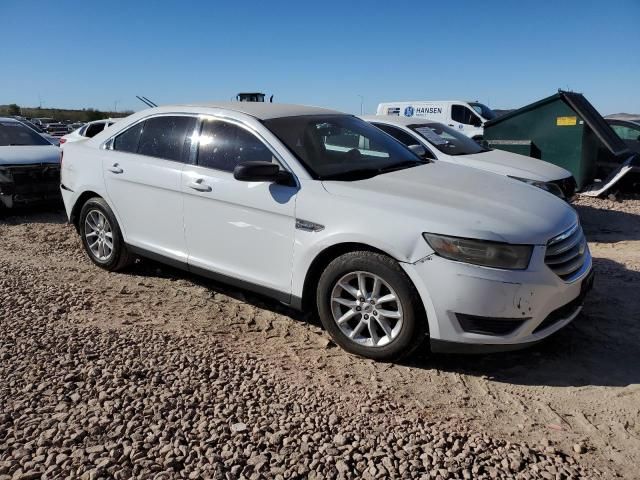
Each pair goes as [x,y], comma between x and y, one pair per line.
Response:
[366,309]
[99,235]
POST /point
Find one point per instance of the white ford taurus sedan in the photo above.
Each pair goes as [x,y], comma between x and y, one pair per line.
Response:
[445,144]
[326,213]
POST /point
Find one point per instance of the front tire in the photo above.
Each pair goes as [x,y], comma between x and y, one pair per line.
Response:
[101,236]
[370,307]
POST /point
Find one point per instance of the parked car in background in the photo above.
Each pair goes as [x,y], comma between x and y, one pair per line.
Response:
[466,117]
[57,129]
[29,166]
[627,130]
[50,138]
[445,144]
[88,130]
[323,211]
[42,122]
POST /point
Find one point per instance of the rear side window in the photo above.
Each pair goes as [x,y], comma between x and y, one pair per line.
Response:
[398,134]
[93,129]
[224,145]
[167,137]
[128,140]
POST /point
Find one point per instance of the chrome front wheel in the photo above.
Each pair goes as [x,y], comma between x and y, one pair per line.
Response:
[366,309]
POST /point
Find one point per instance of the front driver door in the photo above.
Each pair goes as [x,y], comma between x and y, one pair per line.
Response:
[239,232]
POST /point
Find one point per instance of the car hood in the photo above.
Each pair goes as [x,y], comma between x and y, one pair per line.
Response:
[27,155]
[512,164]
[459,201]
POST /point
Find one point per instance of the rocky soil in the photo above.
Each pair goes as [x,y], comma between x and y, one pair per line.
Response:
[154,373]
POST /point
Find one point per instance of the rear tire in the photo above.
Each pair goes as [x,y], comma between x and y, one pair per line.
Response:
[370,307]
[101,236]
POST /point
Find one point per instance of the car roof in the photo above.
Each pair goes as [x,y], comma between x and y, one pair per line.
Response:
[9,119]
[396,120]
[263,110]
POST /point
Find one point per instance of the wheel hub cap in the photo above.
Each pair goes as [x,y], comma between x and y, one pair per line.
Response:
[98,234]
[366,309]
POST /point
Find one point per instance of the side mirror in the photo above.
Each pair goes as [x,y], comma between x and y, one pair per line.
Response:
[258,171]
[419,150]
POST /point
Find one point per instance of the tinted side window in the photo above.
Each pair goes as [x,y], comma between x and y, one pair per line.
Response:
[224,145]
[464,115]
[128,140]
[167,137]
[398,134]
[94,129]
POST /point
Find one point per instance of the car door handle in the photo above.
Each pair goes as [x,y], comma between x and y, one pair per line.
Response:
[199,185]
[115,168]
[451,124]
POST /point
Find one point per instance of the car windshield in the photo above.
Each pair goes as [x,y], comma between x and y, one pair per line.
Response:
[341,147]
[14,133]
[446,139]
[484,111]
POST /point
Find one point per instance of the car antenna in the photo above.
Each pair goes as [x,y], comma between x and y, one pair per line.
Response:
[154,104]
[147,102]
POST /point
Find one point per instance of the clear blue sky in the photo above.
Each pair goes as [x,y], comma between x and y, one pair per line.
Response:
[504,53]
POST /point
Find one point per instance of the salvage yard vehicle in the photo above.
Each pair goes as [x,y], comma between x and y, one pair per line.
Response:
[88,130]
[445,144]
[29,166]
[325,212]
[467,117]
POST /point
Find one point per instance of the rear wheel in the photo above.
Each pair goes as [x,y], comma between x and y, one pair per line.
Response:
[101,236]
[370,307]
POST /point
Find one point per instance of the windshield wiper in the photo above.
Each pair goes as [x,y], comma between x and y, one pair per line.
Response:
[364,173]
[358,174]
[403,165]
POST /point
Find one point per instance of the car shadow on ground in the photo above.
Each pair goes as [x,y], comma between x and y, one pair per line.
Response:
[601,347]
[608,226]
[50,213]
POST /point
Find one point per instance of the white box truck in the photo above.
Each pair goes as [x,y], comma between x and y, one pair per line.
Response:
[466,117]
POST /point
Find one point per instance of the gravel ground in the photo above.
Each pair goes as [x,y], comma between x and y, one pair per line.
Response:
[158,374]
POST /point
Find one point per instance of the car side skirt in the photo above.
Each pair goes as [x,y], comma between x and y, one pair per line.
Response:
[283,297]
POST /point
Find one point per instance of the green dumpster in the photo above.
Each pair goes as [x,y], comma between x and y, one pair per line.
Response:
[563,129]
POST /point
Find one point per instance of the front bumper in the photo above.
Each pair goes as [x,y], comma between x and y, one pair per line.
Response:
[536,301]
[22,185]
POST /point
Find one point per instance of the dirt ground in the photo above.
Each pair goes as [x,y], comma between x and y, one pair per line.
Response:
[582,386]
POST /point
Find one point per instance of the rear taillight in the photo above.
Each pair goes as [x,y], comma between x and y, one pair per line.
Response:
[62,140]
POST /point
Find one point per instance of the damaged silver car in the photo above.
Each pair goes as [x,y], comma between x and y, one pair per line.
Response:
[29,166]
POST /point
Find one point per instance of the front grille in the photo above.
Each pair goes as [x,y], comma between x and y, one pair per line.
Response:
[489,325]
[565,253]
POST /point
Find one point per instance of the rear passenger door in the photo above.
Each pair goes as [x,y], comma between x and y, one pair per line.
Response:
[239,232]
[142,173]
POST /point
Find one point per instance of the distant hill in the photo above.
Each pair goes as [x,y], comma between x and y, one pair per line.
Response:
[84,115]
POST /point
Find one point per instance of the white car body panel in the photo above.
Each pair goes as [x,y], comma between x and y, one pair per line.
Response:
[496,161]
[246,231]
[147,196]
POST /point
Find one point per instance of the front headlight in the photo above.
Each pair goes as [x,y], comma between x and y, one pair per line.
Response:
[546,186]
[480,252]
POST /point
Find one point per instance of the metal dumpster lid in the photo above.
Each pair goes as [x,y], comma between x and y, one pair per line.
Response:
[586,111]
